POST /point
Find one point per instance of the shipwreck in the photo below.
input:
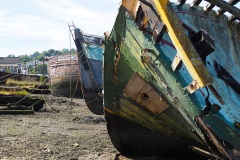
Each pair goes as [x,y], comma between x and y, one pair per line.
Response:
[90,54]
[64,75]
[172,79]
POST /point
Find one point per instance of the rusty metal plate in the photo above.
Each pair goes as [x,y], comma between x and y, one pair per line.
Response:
[144,94]
[158,105]
[134,86]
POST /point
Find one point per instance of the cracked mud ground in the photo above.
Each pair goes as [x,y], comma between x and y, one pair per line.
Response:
[73,133]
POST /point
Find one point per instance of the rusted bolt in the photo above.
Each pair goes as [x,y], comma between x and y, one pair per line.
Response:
[191,85]
[237,124]
[145,96]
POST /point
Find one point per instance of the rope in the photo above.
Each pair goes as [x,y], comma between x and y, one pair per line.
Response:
[69,103]
[45,100]
[51,90]
[93,82]
[30,92]
[70,88]
[71,96]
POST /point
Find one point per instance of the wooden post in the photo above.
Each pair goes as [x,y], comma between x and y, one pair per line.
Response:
[43,68]
[35,66]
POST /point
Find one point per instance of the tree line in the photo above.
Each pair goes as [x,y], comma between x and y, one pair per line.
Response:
[40,56]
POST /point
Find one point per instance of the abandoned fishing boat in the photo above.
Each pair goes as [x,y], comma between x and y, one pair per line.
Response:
[16,100]
[90,53]
[64,75]
[172,79]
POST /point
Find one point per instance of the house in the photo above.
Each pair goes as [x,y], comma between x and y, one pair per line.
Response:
[10,64]
[33,63]
[28,65]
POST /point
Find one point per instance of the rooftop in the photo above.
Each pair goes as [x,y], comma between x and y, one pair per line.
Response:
[10,60]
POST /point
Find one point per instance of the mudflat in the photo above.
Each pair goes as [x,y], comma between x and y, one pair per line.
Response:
[65,129]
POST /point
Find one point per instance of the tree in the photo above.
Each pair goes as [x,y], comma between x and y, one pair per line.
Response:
[25,58]
[56,52]
[46,53]
[51,51]
[73,51]
[11,55]
[39,69]
[34,55]
[64,50]
[40,57]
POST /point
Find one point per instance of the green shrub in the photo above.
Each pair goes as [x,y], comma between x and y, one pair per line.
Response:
[42,79]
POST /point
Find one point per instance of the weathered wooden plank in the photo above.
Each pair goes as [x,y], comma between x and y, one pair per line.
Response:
[232,2]
[209,7]
[189,55]
[196,2]
[226,6]
[8,111]
[232,18]
[181,1]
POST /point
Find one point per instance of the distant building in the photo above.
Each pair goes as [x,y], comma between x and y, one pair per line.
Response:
[28,66]
[24,69]
[10,64]
[32,63]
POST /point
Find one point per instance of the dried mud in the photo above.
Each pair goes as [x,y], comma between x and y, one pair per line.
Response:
[73,133]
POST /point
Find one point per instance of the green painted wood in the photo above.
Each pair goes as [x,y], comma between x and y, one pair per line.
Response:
[122,58]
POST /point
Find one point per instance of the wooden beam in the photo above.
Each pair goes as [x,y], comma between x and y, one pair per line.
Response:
[209,7]
[181,1]
[196,2]
[232,18]
[226,6]
[8,111]
[131,5]
[232,2]
[183,44]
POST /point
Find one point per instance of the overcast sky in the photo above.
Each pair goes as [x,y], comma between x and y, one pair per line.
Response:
[27,26]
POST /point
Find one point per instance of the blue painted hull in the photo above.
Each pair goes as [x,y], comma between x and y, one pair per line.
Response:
[96,66]
[223,121]
[90,53]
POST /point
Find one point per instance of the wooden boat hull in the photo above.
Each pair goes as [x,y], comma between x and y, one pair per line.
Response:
[94,105]
[90,53]
[61,87]
[64,76]
[13,101]
[141,87]
[134,139]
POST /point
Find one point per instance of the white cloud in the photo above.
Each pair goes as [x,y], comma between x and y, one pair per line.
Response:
[43,24]
[90,20]
[25,33]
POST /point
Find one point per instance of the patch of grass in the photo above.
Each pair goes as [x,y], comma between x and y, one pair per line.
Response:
[13,82]
[42,79]
[21,93]
[28,87]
